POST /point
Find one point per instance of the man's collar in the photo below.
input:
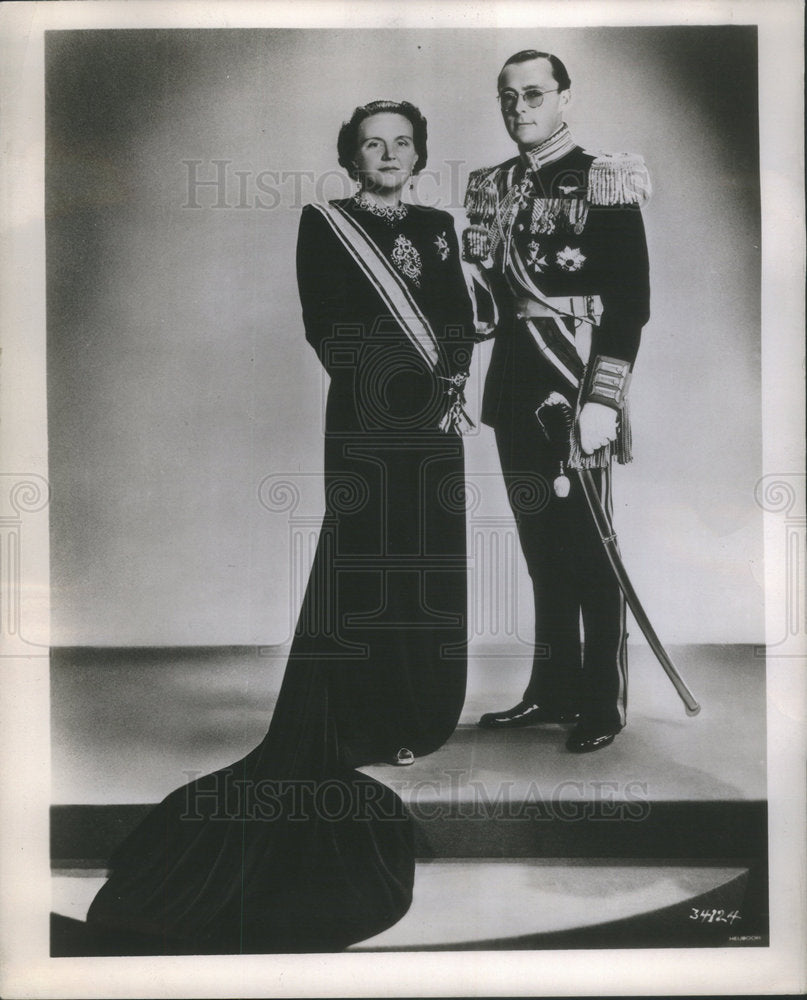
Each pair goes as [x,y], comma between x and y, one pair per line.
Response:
[557,145]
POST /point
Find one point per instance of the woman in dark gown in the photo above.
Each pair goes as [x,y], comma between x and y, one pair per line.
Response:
[291,848]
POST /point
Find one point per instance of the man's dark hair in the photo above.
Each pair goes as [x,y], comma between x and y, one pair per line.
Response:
[347,142]
[559,71]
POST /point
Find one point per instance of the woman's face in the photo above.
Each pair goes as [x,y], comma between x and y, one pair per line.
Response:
[385,153]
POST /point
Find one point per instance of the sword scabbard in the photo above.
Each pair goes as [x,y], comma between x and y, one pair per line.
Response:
[609,542]
[558,437]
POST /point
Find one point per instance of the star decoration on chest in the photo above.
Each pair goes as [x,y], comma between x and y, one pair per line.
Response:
[570,259]
[443,249]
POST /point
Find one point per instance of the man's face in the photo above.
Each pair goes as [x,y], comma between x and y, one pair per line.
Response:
[530,126]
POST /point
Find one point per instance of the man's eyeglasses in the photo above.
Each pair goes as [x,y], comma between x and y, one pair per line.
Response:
[533,98]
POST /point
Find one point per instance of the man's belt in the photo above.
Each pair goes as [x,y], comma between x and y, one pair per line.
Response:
[561,326]
[580,308]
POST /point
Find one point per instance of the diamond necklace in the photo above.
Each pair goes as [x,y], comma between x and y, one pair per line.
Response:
[390,214]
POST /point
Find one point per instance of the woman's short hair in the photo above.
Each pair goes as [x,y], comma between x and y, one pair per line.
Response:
[347,143]
[559,71]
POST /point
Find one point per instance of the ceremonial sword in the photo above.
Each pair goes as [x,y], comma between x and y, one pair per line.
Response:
[609,542]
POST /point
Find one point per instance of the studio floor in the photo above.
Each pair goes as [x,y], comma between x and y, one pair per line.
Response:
[128,725]
[541,847]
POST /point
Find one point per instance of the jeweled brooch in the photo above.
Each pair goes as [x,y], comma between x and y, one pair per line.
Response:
[406,258]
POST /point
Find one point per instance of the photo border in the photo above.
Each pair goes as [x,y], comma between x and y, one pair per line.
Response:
[27,969]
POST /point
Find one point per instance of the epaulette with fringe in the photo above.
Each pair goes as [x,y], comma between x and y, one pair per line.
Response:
[618,179]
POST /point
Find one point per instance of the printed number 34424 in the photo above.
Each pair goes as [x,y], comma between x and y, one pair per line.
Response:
[714,916]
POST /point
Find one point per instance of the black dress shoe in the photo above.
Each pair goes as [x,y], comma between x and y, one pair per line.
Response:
[525,714]
[586,740]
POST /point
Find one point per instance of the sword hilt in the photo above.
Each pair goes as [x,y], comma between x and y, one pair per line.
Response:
[556,417]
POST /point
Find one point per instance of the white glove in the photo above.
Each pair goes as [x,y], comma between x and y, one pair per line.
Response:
[597,425]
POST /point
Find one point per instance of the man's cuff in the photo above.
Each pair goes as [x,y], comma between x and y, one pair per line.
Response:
[608,381]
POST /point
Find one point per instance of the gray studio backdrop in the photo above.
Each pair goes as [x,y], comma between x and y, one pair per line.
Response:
[185,431]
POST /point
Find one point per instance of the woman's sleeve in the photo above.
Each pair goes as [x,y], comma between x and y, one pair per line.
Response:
[460,328]
[320,281]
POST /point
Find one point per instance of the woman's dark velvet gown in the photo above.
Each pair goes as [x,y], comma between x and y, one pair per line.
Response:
[291,848]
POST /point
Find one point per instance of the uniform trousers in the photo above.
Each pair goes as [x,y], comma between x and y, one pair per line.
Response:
[573,670]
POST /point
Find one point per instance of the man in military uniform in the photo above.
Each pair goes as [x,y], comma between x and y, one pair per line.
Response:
[557,235]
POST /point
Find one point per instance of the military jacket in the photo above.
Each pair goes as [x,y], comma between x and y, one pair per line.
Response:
[563,225]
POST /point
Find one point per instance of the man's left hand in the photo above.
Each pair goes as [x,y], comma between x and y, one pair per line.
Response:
[597,425]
